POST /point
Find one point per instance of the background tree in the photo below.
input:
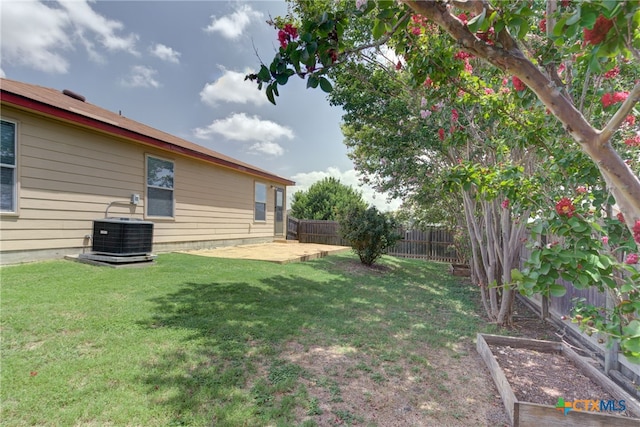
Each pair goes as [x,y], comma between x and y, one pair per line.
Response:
[325,200]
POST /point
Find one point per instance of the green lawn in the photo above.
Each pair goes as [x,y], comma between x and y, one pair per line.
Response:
[198,341]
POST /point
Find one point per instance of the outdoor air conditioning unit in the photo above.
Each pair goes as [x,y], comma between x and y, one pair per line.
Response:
[122,237]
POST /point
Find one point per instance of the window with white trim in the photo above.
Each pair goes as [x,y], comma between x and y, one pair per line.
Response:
[260,209]
[160,176]
[8,167]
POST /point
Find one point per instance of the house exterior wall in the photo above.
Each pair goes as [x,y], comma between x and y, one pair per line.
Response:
[68,175]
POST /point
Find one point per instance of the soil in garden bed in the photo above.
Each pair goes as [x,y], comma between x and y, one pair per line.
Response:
[543,378]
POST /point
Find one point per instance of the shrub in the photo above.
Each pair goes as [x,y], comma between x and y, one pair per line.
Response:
[369,232]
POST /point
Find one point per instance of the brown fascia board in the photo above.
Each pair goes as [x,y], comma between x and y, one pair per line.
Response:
[77,116]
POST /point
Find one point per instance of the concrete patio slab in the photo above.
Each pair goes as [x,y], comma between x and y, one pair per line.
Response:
[278,252]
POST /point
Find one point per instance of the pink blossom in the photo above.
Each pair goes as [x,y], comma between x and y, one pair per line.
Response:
[612,73]
[454,115]
[631,259]
[361,4]
[633,142]
[609,99]
[467,66]
[423,102]
[581,189]
[488,91]
[425,113]
[518,84]
[505,204]
[441,134]
[605,240]
[630,120]
[636,231]
[462,55]
[565,207]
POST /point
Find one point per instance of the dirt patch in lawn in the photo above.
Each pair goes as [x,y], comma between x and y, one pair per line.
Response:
[347,388]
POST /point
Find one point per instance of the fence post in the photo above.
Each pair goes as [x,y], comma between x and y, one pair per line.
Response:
[544,307]
[611,353]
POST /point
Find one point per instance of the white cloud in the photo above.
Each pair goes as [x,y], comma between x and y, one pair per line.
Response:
[83,18]
[240,127]
[2,74]
[232,26]
[349,177]
[165,53]
[270,148]
[232,87]
[141,76]
[38,35]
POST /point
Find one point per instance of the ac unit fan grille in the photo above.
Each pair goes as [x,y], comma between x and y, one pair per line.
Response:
[122,237]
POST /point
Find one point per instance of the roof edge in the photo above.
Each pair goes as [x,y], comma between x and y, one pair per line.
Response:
[29,104]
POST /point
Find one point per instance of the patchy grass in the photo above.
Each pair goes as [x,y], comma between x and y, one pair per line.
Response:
[199,341]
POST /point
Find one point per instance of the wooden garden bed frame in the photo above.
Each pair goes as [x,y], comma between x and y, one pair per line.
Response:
[522,414]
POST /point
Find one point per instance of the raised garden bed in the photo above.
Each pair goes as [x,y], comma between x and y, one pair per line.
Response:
[462,270]
[533,375]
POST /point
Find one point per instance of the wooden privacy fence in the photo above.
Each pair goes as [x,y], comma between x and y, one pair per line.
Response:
[323,232]
[435,243]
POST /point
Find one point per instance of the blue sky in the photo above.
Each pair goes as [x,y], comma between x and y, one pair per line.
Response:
[179,66]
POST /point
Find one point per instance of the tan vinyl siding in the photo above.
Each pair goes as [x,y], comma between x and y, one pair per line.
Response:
[68,175]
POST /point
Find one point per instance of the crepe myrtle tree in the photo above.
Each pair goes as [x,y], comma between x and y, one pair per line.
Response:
[531,43]
[598,34]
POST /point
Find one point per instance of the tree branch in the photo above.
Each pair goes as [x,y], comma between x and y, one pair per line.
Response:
[620,115]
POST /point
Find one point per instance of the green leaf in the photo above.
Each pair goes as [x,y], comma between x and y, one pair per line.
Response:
[558,29]
[573,19]
[379,28]
[588,18]
[627,287]
[516,275]
[632,345]
[270,94]
[264,74]
[477,21]
[632,330]
[556,290]
[312,82]
[325,85]
[282,79]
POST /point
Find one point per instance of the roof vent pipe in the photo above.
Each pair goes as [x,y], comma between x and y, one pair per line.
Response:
[74,95]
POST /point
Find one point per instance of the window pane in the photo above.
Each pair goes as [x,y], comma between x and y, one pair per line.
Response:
[159,172]
[8,146]
[7,190]
[261,192]
[261,212]
[279,195]
[159,202]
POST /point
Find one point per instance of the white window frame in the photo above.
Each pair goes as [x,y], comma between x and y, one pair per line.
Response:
[261,202]
[147,187]
[14,167]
